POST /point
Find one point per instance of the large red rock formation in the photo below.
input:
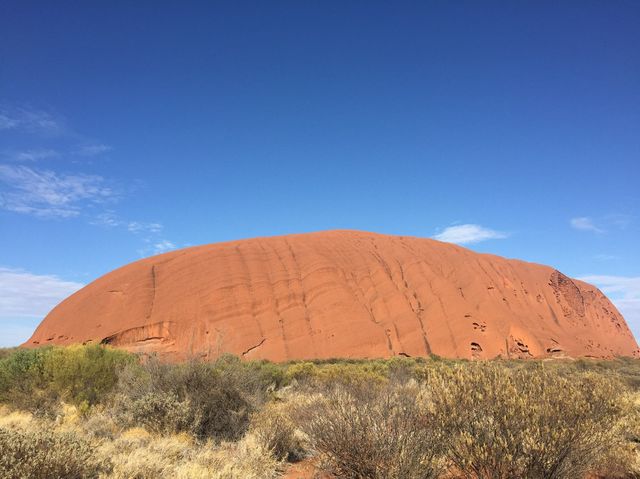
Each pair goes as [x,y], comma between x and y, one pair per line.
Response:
[340,294]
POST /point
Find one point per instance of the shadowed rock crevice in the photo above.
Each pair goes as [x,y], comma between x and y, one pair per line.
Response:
[156,332]
[244,353]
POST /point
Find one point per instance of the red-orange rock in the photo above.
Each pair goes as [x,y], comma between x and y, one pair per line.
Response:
[339,294]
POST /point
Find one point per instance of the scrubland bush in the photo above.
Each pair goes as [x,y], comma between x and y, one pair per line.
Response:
[374,432]
[38,379]
[409,418]
[23,382]
[38,454]
[84,374]
[192,397]
[527,423]
[274,428]
[318,376]
[4,352]
[255,378]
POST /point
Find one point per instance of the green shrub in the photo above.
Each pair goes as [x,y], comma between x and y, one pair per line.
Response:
[192,397]
[528,422]
[24,368]
[85,374]
[24,384]
[255,379]
[45,455]
[37,379]
[301,371]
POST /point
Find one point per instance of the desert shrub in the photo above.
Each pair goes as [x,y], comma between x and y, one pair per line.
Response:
[5,352]
[276,431]
[191,397]
[162,412]
[23,369]
[44,455]
[326,376]
[328,371]
[374,431]
[98,425]
[254,379]
[38,379]
[24,383]
[84,374]
[300,371]
[526,423]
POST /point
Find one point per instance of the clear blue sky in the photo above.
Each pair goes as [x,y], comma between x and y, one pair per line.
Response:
[136,127]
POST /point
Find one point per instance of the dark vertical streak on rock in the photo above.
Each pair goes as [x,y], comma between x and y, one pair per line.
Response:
[416,311]
[153,291]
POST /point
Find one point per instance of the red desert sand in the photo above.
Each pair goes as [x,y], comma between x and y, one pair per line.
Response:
[339,294]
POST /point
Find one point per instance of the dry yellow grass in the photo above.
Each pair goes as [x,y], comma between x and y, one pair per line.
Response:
[15,419]
[137,453]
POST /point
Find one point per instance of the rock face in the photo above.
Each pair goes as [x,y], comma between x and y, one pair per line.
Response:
[339,294]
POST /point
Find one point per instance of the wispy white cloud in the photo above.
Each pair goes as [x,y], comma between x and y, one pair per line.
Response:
[44,193]
[27,295]
[602,224]
[584,223]
[140,227]
[605,257]
[624,292]
[25,298]
[7,122]
[163,246]
[468,234]
[149,232]
[30,155]
[627,287]
[112,220]
[31,121]
[92,149]
[107,219]
[620,221]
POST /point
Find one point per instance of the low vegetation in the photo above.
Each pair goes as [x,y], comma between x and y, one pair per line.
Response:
[97,412]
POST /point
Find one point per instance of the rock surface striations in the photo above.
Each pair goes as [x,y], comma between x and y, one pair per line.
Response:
[339,294]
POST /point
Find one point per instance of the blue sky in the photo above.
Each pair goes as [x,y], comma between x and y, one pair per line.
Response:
[133,128]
